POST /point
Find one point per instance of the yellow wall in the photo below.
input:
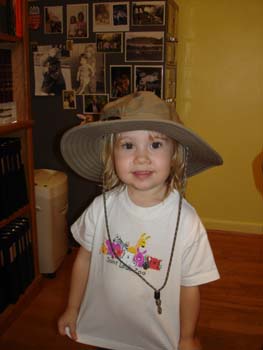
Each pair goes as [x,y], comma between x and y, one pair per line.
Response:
[220,96]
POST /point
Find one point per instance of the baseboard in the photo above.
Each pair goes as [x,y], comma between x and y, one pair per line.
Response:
[234,226]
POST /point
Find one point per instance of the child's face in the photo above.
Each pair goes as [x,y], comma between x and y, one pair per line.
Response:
[143,160]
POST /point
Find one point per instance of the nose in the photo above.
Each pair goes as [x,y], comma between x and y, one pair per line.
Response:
[142,156]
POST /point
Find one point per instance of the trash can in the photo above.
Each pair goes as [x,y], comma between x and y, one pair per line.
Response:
[51,192]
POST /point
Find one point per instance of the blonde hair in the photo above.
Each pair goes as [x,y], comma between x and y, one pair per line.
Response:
[110,179]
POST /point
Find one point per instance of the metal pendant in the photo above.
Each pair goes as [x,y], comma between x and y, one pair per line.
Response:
[157,297]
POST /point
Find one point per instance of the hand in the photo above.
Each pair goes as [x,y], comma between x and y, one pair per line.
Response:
[86,118]
[68,319]
[189,344]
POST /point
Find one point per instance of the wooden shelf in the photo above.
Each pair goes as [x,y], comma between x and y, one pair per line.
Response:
[20,212]
[16,126]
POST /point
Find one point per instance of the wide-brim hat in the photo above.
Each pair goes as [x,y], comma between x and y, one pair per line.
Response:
[81,146]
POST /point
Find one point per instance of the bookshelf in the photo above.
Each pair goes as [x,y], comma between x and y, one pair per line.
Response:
[21,128]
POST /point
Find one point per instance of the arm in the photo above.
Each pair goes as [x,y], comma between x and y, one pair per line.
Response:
[79,279]
[189,312]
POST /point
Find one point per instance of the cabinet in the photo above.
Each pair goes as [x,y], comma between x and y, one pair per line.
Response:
[22,129]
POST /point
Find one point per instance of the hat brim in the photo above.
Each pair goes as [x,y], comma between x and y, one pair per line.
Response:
[81,146]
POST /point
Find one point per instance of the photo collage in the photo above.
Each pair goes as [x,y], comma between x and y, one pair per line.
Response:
[95,52]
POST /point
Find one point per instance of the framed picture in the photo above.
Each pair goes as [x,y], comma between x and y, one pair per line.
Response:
[148,13]
[93,103]
[87,69]
[69,99]
[170,84]
[144,46]
[53,20]
[109,42]
[149,78]
[120,15]
[77,21]
[52,72]
[111,16]
[120,80]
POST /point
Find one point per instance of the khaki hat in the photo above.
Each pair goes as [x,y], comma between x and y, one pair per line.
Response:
[81,146]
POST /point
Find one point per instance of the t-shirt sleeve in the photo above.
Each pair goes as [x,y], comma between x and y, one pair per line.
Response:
[198,264]
[83,229]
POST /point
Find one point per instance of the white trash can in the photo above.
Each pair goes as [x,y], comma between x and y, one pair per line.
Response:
[51,192]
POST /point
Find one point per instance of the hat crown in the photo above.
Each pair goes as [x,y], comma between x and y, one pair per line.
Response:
[139,105]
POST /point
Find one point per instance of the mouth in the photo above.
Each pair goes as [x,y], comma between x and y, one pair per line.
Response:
[142,174]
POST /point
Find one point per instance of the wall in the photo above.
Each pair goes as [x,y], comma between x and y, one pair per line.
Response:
[220,96]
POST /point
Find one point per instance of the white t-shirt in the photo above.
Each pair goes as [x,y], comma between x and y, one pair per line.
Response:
[118,310]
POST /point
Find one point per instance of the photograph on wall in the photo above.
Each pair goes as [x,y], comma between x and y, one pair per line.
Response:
[77,21]
[144,46]
[109,16]
[52,71]
[148,13]
[87,69]
[53,20]
[94,103]
[120,81]
[109,42]
[149,78]
[120,13]
[69,99]
[34,17]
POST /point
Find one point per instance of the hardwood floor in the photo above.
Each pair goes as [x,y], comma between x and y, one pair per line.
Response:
[232,308]
[231,311]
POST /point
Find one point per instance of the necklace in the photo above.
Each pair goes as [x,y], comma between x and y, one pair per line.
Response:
[157,291]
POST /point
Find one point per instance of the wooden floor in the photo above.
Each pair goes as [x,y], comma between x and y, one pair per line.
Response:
[231,313]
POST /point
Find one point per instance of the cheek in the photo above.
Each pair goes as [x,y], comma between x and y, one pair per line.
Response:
[121,163]
[164,164]
[164,159]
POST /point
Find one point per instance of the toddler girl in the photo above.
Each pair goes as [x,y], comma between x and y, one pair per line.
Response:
[143,250]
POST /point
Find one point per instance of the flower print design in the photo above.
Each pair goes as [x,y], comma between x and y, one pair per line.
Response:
[134,256]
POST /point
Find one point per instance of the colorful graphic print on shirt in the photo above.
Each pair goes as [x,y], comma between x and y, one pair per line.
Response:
[135,256]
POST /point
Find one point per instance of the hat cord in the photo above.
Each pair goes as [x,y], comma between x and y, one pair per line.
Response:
[157,292]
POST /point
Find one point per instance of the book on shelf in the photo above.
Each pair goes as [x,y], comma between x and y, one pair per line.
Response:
[8,113]
[6,76]
[11,17]
[7,105]
[13,187]
[3,21]
[18,16]
[16,261]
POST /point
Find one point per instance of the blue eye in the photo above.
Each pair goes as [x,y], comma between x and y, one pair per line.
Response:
[156,145]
